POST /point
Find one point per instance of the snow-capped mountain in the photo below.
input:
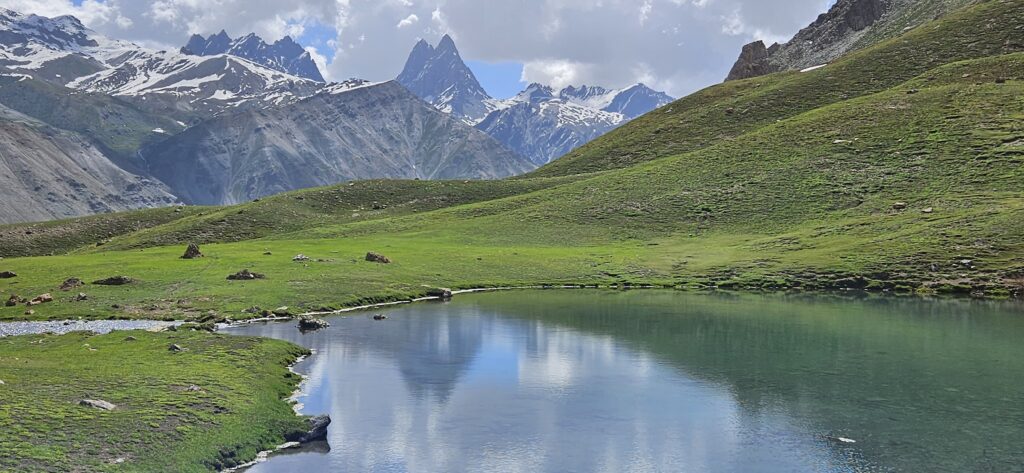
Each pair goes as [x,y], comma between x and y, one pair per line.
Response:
[150,128]
[284,55]
[538,123]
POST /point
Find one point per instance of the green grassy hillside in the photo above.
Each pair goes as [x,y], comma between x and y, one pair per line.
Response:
[728,110]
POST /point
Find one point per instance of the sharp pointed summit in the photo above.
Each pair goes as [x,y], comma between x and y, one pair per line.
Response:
[439,76]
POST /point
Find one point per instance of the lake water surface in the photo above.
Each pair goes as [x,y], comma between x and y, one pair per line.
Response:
[664,381]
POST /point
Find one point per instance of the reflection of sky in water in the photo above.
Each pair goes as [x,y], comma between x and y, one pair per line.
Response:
[446,388]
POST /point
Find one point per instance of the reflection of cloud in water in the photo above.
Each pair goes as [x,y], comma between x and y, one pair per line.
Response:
[448,388]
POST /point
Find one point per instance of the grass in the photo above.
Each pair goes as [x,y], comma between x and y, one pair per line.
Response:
[158,425]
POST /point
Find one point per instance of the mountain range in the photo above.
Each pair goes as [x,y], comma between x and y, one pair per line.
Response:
[538,123]
[224,120]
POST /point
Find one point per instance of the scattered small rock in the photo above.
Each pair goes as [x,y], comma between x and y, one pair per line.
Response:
[97,404]
[7,274]
[15,300]
[192,252]
[317,430]
[377,258]
[927,210]
[912,91]
[312,323]
[281,312]
[71,283]
[899,206]
[245,275]
[193,389]
[1001,80]
[379,317]
[80,297]
[300,257]
[2,382]
[41,299]
[130,338]
[114,281]
[268,253]
[30,312]
[175,348]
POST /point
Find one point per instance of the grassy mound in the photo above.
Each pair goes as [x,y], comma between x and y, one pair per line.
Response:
[235,410]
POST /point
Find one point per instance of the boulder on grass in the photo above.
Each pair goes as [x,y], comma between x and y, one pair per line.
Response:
[41,299]
[377,258]
[192,252]
[7,274]
[245,275]
[97,404]
[114,281]
[71,283]
[15,300]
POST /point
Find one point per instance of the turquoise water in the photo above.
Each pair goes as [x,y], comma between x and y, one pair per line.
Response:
[664,381]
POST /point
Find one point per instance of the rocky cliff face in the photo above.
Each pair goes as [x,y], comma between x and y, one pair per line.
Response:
[849,25]
[357,131]
[47,173]
[753,62]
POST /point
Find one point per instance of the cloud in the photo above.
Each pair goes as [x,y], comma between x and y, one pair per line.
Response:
[678,45]
[410,20]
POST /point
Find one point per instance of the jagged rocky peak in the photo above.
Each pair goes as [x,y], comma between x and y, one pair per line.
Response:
[283,55]
[439,76]
[753,61]
[536,92]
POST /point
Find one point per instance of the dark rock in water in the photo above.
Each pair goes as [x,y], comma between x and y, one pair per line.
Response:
[317,430]
[442,292]
[15,300]
[175,348]
[7,274]
[114,281]
[312,323]
[753,62]
[245,275]
[97,404]
[379,317]
[71,283]
[192,252]
[377,258]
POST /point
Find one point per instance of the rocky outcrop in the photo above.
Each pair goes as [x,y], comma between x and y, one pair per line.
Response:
[753,62]
[848,26]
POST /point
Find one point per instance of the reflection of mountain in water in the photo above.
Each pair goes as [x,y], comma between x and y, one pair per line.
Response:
[433,354]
